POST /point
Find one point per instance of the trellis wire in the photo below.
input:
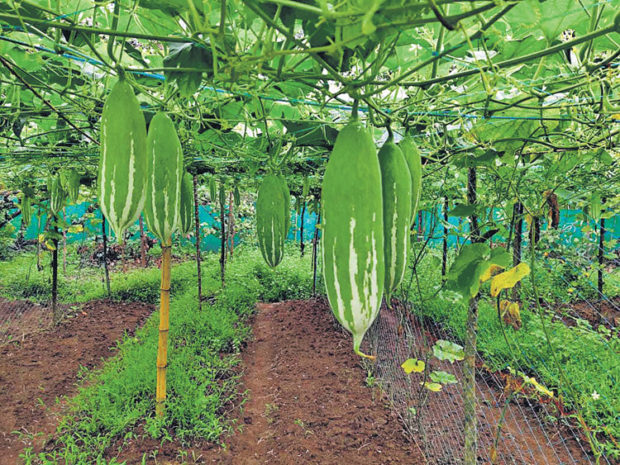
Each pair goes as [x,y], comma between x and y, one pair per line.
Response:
[395,340]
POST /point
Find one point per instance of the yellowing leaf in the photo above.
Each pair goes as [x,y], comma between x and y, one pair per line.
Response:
[413,365]
[508,279]
[435,387]
[50,245]
[510,313]
[76,228]
[491,270]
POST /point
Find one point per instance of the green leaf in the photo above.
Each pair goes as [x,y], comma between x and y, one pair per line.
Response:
[466,271]
[435,387]
[462,210]
[413,365]
[449,351]
[443,377]
[188,56]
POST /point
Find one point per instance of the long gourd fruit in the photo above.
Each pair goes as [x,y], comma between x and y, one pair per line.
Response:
[57,194]
[122,161]
[270,219]
[187,204]
[70,182]
[352,247]
[414,162]
[164,169]
[396,184]
[25,205]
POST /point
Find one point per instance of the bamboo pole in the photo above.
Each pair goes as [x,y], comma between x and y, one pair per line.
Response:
[164,326]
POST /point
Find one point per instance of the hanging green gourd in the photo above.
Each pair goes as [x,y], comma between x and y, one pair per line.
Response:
[56,193]
[237,196]
[25,205]
[396,186]
[70,180]
[122,162]
[187,204]
[270,219]
[352,231]
[212,189]
[414,162]
[162,211]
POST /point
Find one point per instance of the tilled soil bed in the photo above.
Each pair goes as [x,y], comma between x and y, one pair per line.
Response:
[40,367]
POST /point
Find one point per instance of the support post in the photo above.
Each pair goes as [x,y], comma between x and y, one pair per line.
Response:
[164,326]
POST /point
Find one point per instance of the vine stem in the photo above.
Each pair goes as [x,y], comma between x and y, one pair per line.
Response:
[515,61]
[11,68]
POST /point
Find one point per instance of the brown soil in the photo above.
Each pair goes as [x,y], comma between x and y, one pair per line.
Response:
[604,312]
[308,402]
[37,369]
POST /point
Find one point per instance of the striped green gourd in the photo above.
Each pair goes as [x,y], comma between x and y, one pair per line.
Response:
[287,204]
[57,194]
[414,162]
[25,206]
[352,231]
[70,181]
[122,161]
[187,204]
[212,190]
[164,170]
[270,219]
[237,196]
[396,185]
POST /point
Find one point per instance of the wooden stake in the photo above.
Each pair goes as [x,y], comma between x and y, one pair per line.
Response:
[164,326]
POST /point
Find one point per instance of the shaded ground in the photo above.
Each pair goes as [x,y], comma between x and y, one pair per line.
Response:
[308,402]
[36,369]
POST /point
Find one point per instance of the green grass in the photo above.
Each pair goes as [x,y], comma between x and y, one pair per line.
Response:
[117,401]
[588,356]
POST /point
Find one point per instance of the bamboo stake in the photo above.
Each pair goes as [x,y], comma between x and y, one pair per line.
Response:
[164,326]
